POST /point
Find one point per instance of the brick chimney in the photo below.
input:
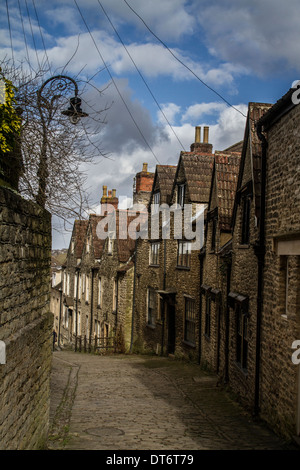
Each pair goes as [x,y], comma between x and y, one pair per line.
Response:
[201,147]
[108,200]
[143,186]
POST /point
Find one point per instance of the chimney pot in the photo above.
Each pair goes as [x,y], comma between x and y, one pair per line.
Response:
[109,193]
[104,190]
[145,167]
[205,134]
[113,193]
[197,134]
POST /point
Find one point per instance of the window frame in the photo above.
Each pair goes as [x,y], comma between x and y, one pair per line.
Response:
[151,308]
[154,253]
[184,258]
[181,189]
[190,321]
[207,323]
[242,344]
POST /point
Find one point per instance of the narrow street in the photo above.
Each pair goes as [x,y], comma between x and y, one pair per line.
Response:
[146,403]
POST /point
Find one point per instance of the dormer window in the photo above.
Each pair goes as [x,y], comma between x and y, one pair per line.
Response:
[180,194]
[156,201]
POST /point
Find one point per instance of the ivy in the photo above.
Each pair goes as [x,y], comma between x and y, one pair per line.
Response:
[10,121]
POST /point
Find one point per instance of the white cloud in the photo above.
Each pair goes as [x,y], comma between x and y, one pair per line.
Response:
[257,35]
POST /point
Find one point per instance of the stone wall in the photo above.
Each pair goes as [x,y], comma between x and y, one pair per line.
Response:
[281,313]
[25,322]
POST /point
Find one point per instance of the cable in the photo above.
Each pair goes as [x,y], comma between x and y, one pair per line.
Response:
[10,35]
[140,74]
[41,35]
[25,41]
[32,35]
[113,81]
[182,63]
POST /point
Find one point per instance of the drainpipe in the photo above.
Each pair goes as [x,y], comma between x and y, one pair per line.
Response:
[76,310]
[201,258]
[60,310]
[163,303]
[92,302]
[260,253]
[228,274]
[133,296]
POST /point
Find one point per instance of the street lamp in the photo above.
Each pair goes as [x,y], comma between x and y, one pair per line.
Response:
[58,83]
[74,112]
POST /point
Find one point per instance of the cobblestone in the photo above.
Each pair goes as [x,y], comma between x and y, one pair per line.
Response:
[128,402]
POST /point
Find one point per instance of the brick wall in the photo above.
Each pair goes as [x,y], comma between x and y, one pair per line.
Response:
[25,322]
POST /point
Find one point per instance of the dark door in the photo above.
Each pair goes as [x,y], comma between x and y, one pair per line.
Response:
[171,328]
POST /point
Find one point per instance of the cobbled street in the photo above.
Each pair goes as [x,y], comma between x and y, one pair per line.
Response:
[123,402]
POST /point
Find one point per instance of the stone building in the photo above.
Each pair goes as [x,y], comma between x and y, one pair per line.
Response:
[215,263]
[244,290]
[99,272]
[167,267]
[279,385]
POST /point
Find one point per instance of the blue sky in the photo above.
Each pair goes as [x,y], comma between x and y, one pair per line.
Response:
[243,50]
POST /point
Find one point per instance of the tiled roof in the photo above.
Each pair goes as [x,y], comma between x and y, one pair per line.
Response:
[98,243]
[164,176]
[79,231]
[226,175]
[256,111]
[198,171]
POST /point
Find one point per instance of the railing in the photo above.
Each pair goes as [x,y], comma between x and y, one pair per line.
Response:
[99,344]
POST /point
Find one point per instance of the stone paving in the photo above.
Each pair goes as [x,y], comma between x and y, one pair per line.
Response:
[128,402]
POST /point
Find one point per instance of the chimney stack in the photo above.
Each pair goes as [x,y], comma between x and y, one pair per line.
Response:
[205,134]
[143,186]
[197,134]
[201,147]
[109,202]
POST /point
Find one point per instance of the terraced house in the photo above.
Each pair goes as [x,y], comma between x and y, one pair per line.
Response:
[167,267]
[215,259]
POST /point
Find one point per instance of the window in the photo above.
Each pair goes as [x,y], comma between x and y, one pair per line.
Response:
[110,242]
[75,286]
[190,321]
[68,284]
[79,324]
[151,301]
[242,337]
[245,231]
[100,291]
[87,280]
[156,201]
[115,295]
[180,194]
[154,253]
[207,316]
[184,254]
[213,233]
[80,287]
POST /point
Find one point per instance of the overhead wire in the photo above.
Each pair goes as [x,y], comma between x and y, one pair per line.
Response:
[34,44]
[10,35]
[140,74]
[42,37]
[24,35]
[115,84]
[182,63]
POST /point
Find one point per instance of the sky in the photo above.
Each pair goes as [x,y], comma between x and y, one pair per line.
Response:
[163,67]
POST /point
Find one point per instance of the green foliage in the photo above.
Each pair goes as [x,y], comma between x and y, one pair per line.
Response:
[10,121]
